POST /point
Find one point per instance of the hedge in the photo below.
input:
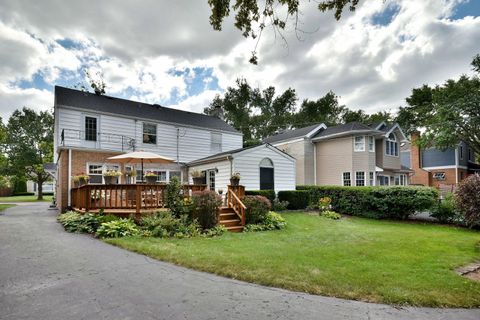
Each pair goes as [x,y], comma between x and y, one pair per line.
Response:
[23,194]
[269,194]
[375,202]
[297,199]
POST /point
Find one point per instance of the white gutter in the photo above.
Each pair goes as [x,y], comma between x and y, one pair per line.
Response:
[456,164]
[69,197]
[314,163]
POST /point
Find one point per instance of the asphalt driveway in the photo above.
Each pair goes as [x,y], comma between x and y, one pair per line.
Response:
[46,273]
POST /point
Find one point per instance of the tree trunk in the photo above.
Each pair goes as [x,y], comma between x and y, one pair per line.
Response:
[40,189]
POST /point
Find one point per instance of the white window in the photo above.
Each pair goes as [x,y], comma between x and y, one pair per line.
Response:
[149,133]
[391,145]
[372,178]
[177,174]
[461,152]
[360,179]
[215,142]
[401,180]
[347,180]
[359,144]
[439,176]
[371,144]
[95,172]
[211,179]
[383,180]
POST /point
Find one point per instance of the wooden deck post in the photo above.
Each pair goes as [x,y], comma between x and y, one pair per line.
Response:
[138,198]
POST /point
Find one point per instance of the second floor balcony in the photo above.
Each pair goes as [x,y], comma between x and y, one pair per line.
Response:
[96,140]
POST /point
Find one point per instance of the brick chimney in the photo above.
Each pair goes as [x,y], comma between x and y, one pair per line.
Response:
[420,176]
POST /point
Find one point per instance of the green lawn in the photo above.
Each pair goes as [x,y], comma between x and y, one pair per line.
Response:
[24,199]
[354,258]
[5,206]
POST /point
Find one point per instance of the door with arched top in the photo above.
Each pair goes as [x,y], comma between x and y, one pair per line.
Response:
[267,177]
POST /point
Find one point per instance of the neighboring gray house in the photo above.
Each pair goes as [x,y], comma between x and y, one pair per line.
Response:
[353,154]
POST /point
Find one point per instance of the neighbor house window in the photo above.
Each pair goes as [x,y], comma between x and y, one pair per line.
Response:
[461,152]
[391,145]
[359,143]
[372,178]
[401,180]
[347,180]
[95,171]
[371,144]
[149,133]
[383,180]
[439,176]
[177,174]
[360,178]
[90,129]
[216,142]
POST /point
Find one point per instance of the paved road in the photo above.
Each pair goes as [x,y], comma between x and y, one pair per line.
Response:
[46,273]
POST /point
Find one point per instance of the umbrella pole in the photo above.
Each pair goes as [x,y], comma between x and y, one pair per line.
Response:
[142,170]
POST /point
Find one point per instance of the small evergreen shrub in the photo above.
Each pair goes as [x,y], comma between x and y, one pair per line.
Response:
[174,198]
[278,205]
[467,200]
[164,225]
[297,199]
[257,208]
[118,228]
[444,210]
[269,194]
[205,208]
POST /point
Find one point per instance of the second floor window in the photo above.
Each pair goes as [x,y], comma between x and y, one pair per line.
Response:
[216,142]
[371,144]
[359,143]
[149,133]
[391,145]
[347,179]
[360,179]
[90,129]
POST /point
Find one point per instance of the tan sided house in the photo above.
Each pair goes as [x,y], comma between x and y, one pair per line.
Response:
[353,154]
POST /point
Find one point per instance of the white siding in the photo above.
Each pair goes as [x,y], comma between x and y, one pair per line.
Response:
[193,143]
[247,163]
[222,177]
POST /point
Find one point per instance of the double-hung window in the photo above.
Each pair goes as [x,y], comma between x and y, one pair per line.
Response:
[149,133]
[371,144]
[372,178]
[359,178]
[95,172]
[391,145]
[90,129]
[215,142]
[347,180]
[177,174]
[359,144]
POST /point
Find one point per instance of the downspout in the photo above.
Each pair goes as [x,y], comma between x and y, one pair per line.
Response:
[314,163]
[178,142]
[456,165]
[69,196]
[230,158]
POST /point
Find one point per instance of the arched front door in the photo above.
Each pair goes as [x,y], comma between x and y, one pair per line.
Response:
[267,177]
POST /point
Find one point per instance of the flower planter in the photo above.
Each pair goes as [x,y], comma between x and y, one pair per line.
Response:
[111,180]
[82,182]
[151,180]
[234,182]
[197,181]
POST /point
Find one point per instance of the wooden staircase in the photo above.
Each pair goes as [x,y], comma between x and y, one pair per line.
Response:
[230,220]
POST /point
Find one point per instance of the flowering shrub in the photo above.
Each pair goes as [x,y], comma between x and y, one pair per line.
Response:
[205,208]
[112,173]
[467,200]
[324,204]
[257,208]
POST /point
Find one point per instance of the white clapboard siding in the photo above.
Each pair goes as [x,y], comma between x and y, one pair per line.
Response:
[248,164]
[222,177]
[193,143]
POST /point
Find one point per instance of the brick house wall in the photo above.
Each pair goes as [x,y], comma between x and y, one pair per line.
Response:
[420,176]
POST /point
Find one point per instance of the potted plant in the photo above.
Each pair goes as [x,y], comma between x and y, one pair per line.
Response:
[80,179]
[235,179]
[151,177]
[111,176]
[130,175]
[197,176]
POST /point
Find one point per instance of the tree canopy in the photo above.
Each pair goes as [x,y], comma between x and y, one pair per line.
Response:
[28,145]
[253,16]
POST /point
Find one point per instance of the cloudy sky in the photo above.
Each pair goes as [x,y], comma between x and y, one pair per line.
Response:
[163,51]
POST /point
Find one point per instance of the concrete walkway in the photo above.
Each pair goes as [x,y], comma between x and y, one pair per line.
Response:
[46,273]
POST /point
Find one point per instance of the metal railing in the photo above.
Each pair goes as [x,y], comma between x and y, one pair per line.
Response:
[123,142]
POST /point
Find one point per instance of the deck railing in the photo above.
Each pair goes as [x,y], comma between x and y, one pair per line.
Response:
[235,195]
[136,197]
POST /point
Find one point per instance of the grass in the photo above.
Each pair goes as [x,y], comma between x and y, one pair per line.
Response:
[5,206]
[354,258]
[25,199]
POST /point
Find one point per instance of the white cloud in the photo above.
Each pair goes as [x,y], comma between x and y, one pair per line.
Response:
[31,98]
[198,102]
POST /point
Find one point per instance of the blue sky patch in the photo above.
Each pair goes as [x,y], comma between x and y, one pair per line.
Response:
[385,17]
[466,8]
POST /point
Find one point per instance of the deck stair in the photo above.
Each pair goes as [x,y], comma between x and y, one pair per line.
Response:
[230,220]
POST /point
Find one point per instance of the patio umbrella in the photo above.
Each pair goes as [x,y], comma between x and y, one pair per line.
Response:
[140,157]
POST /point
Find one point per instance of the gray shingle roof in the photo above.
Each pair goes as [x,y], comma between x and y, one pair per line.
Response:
[102,103]
[291,134]
[343,128]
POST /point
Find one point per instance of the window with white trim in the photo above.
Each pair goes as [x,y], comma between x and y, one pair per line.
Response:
[215,142]
[90,128]
[371,144]
[371,176]
[383,180]
[347,180]
[439,176]
[177,174]
[149,133]
[360,178]
[391,145]
[401,180]
[359,144]
[95,172]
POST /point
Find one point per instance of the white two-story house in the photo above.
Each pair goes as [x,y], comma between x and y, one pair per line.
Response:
[90,128]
